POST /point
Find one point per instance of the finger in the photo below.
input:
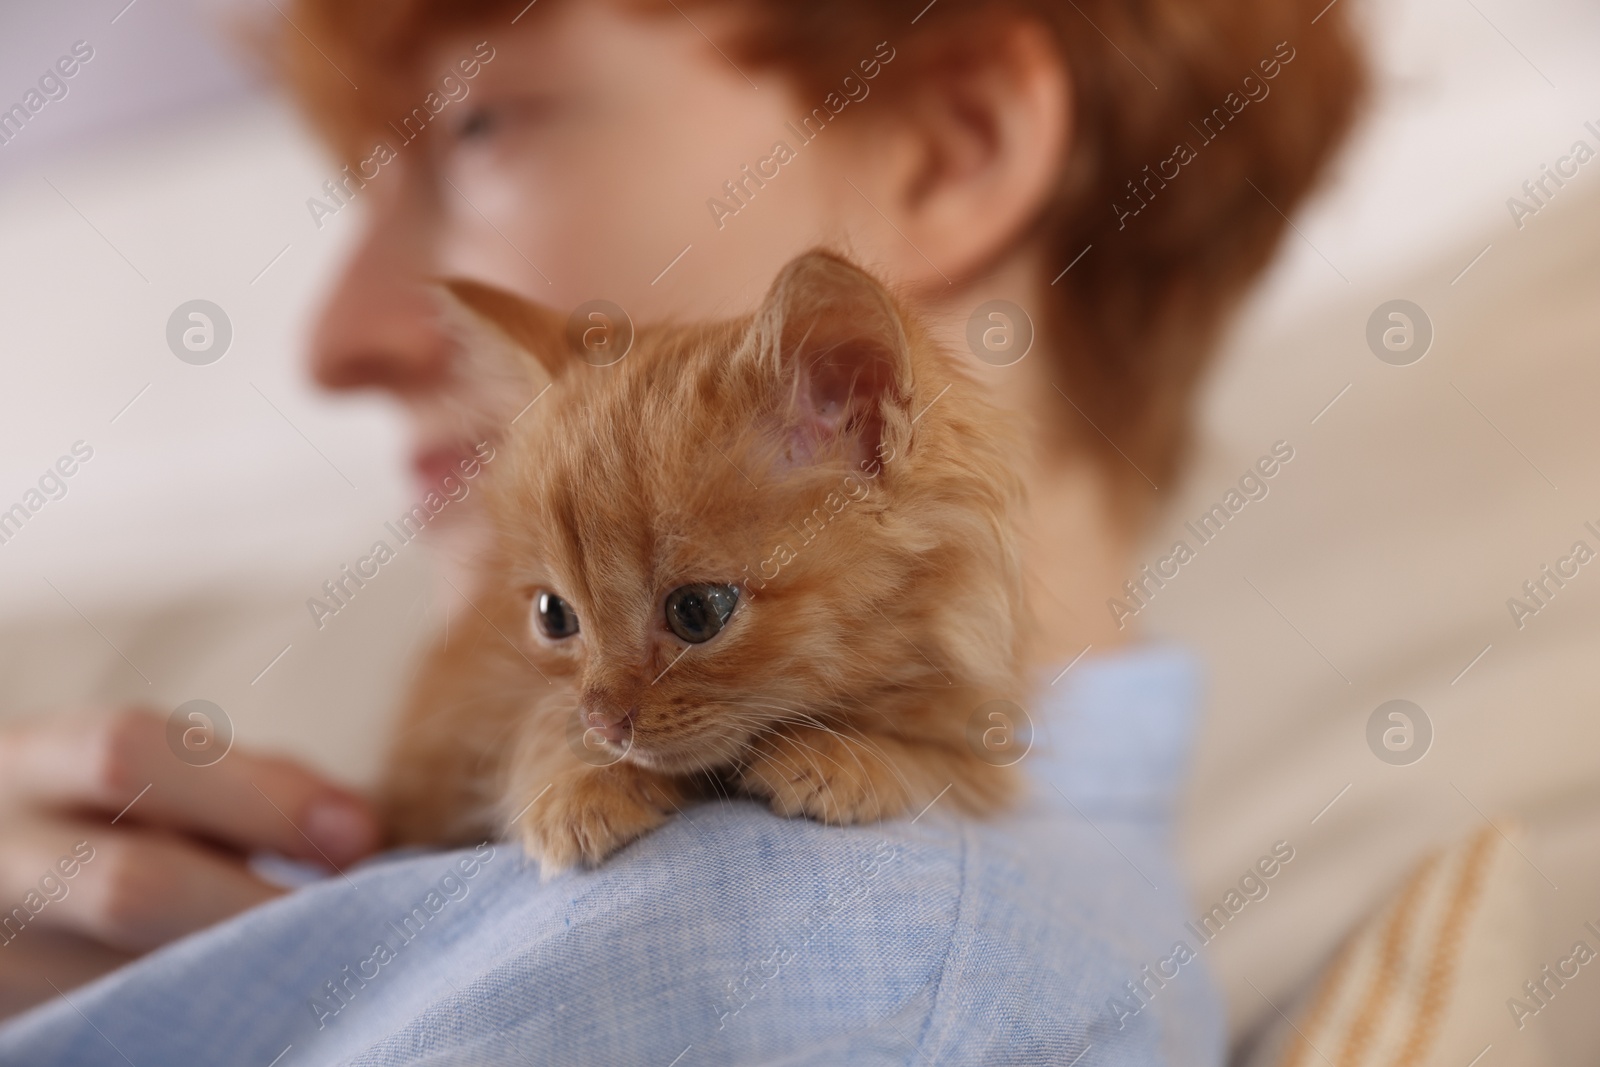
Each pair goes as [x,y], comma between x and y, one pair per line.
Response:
[30,964]
[132,890]
[121,764]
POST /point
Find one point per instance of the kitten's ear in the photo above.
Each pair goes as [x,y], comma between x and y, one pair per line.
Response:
[503,334]
[836,342]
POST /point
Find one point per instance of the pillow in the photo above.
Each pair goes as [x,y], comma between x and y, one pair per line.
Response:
[1425,979]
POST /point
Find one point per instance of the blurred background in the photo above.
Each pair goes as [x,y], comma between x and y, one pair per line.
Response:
[1419,500]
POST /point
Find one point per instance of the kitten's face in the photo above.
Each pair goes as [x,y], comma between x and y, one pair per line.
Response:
[715,534]
[640,605]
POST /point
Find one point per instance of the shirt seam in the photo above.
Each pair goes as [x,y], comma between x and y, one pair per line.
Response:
[932,1041]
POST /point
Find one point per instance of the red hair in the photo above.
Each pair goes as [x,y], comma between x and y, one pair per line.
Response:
[1253,95]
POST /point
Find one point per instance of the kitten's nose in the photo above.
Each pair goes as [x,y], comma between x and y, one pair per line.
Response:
[611,722]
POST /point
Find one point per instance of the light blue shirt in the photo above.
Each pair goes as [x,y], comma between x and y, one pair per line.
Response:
[728,936]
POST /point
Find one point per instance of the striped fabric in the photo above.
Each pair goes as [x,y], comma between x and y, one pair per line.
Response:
[1426,979]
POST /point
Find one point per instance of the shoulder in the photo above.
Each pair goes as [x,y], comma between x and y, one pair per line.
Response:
[748,936]
[730,911]
[743,936]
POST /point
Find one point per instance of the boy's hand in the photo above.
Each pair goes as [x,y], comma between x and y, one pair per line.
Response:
[171,863]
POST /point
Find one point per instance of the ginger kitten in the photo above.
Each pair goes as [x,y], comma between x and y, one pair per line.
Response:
[772,556]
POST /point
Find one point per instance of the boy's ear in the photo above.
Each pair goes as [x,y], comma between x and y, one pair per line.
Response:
[832,345]
[502,334]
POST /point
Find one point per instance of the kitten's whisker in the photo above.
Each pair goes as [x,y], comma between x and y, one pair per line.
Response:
[865,776]
[789,738]
[775,729]
[719,787]
[789,714]
[875,749]
[848,650]
[826,783]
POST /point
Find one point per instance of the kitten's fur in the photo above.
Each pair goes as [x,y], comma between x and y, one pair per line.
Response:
[840,688]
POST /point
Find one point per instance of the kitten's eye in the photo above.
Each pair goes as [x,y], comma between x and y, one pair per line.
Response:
[556,617]
[697,613]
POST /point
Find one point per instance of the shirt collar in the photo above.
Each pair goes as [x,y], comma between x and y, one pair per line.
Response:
[1113,734]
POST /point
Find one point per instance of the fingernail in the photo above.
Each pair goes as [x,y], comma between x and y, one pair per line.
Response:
[340,829]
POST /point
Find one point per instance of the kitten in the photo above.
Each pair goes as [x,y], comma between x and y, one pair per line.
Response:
[772,556]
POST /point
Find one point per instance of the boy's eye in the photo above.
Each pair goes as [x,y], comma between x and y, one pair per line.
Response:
[479,122]
[487,121]
[697,613]
[556,617]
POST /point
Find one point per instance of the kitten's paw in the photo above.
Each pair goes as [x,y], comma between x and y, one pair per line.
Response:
[825,775]
[588,815]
